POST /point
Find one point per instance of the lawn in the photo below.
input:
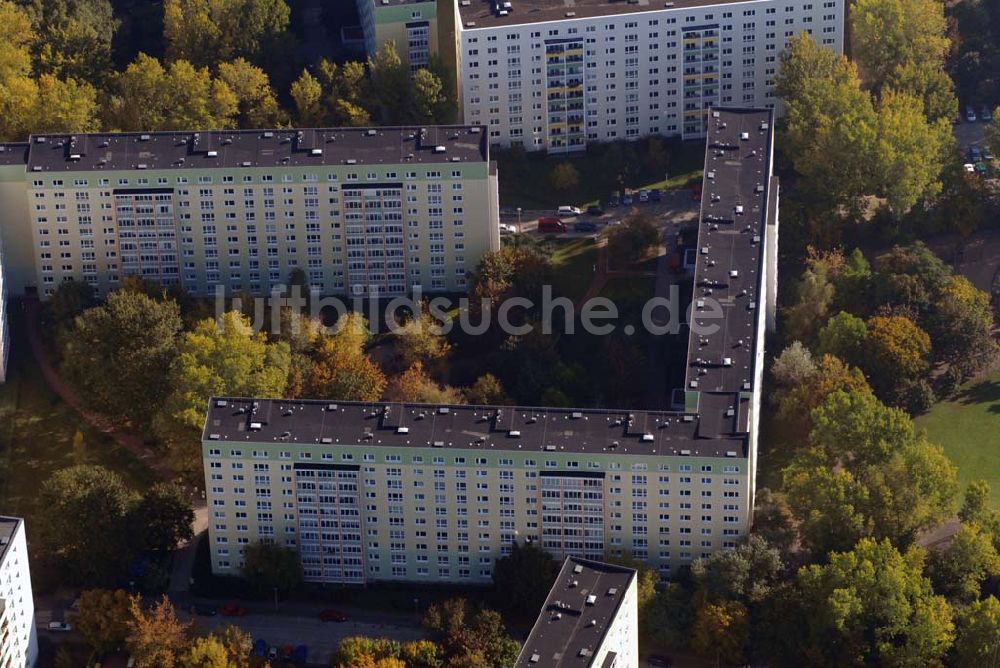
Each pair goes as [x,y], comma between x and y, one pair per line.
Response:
[39,434]
[526,179]
[968,428]
[573,262]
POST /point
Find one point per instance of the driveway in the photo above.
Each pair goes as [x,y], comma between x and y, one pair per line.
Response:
[969,134]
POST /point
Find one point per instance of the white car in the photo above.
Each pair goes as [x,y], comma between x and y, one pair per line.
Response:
[969,167]
[60,626]
[566,210]
[507,229]
[970,114]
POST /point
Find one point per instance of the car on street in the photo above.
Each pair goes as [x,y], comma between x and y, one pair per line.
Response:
[643,195]
[585,226]
[627,200]
[550,225]
[970,114]
[985,113]
[331,615]
[507,229]
[233,610]
[205,610]
[595,210]
[61,627]
[567,210]
[656,195]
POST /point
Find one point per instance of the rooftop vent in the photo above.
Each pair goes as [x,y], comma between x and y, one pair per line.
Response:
[351,161]
[686,453]
[326,440]
[212,154]
[550,448]
[534,658]
[438,444]
[255,426]
[613,591]
[316,151]
[143,137]
[443,410]
[214,437]
[576,415]
[744,136]
[402,430]
[440,149]
[730,453]
[514,433]
[591,599]
[648,438]
[578,569]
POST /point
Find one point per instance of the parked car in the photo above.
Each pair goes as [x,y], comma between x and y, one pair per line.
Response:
[566,210]
[286,652]
[656,194]
[982,169]
[330,615]
[613,201]
[233,610]
[272,653]
[507,229]
[585,226]
[613,223]
[301,654]
[551,225]
[970,114]
[595,210]
[696,192]
[260,647]
[985,113]
[987,153]
[975,154]
[627,200]
[205,610]
[62,627]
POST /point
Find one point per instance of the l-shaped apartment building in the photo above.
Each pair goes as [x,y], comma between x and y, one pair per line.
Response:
[556,75]
[413,492]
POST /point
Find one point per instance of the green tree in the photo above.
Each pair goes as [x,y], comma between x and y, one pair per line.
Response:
[64,105]
[390,84]
[977,641]
[205,32]
[75,37]
[772,520]
[470,637]
[156,638]
[796,406]
[487,390]
[428,96]
[976,504]
[257,105]
[898,351]
[207,652]
[307,93]
[813,296]
[844,336]
[70,299]
[873,605]
[414,385]
[341,369]
[103,618]
[959,570]
[962,327]
[420,654]
[421,339]
[225,358]
[82,513]
[162,518]
[746,574]
[886,35]
[268,566]
[793,366]
[522,580]
[630,241]
[564,176]
[721,630]
[120,352]
[910,276]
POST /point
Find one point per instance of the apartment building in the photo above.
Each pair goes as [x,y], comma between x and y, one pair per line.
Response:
[18,641]
[555,75]
[590,619]
[388,491]
[363,211]
[411,24]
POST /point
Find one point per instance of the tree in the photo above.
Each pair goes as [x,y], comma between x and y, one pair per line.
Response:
[889,34]
[797,404]
[420,654]
[470,637]
[120,352]
[793,366]
[217,359]
[268,566]
[207,652]
[976,504]
[564,176]
[415,386]
[428,96]
[910,276]
[977,640]
[422,340]
[148,96]
[156,638]
[909,150]
[64,105]
[257,105]
[341,369]
[307,93]
[630,241]
[844,336]
[814,294]
[873,605]
[238,644]
[772,520]
[82,513]
[390,84]
[746,574]
[960,570]
[899,351]
[522,580]
[962,327]
[75,37]
[208,31]
[487,390]
[721,630]
[103,618]
[70,299]
[162,518]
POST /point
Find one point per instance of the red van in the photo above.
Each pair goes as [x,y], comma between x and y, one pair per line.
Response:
[551,225]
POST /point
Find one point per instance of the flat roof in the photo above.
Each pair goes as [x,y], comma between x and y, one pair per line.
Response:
[729,269]
[8,529]
[577,614]
[481,13]
[392,3]
[234,149]
[14,154]
[333,424]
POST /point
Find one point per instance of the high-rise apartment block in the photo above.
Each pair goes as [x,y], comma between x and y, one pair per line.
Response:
[18,641]
[412,25]
[363,212]
[555,75]
[387,491]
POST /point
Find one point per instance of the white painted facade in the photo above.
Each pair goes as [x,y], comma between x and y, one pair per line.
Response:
[18,641]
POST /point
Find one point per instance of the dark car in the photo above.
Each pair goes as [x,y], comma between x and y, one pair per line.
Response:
[205,610]
[975,154]
[585,226]
[260,647]
[613,201]
[656,195]
[233,610]
[301,654]
[332,616]
[594,210]
[662,661]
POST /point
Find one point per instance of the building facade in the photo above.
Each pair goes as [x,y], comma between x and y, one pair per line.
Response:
[364,212]
[552,75]
[18,640]
[590,619]
[384,491]
[411,24]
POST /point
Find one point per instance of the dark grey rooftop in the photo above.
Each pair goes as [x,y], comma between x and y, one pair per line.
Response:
[481,428]
[482,14]
[729,277]
[13,154]
[571,626]
[257,148]
[9,527]
[392,3]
